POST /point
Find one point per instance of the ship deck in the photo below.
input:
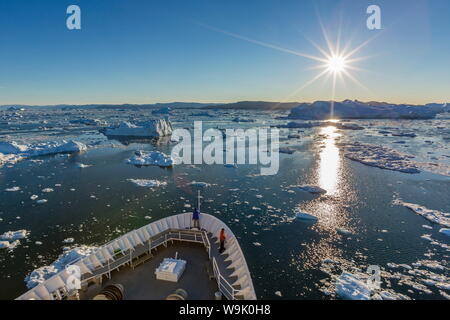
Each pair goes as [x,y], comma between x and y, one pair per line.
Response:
[140,283]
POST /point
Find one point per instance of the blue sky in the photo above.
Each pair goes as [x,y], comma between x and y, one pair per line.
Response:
[146,51]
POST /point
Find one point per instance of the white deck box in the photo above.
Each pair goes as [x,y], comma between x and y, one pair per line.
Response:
[170,269]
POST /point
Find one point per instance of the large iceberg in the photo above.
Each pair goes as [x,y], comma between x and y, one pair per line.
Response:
[152,158]
[11,152]
[349,109]
[151,128]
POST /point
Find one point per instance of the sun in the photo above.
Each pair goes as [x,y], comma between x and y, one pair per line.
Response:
[336,64]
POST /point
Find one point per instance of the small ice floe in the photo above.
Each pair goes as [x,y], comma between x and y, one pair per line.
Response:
[48,190]
[434,216]
[151,128]
[257,244]
[9,158]
[14,235]
[41,274]
[327,261]
[147,218]
[11,239]
[69,240]
[427,226]
[278,293]
[9,245]
[344,232]
[242,120]
[305,216]
[38,243]
[286,150]
[445,231]
[148,183]
[404,134]
[349,286]
[310,189]
[42,201]
[82,165]
[200,184]
[34,197]
[151,158]
[13,189]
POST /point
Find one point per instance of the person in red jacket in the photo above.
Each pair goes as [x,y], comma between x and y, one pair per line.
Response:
[222,238]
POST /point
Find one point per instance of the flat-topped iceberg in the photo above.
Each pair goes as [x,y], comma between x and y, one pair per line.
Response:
[12,151]
[349,109]
[41,274]
[151,158]
[151,128]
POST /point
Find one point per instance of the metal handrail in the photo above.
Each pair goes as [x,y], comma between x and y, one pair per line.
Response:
[168,236]
[230,292]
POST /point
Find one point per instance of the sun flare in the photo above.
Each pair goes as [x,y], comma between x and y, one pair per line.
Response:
[336,64]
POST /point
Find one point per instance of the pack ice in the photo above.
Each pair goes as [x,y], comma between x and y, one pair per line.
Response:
[41,274]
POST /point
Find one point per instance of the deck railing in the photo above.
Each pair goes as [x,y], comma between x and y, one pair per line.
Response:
[224,286]
[152,243]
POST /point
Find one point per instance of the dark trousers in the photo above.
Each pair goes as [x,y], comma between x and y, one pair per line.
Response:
[222,246]
[196,223]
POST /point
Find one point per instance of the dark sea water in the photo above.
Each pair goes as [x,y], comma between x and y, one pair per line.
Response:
[285,256]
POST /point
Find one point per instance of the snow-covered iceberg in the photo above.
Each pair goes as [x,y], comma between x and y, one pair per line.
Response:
[151,158]
[349,109]
[151,128]
[434,216]
[11,152]
[41,274]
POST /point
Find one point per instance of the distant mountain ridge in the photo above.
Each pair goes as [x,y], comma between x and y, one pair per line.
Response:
[255,105]
[354,109]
